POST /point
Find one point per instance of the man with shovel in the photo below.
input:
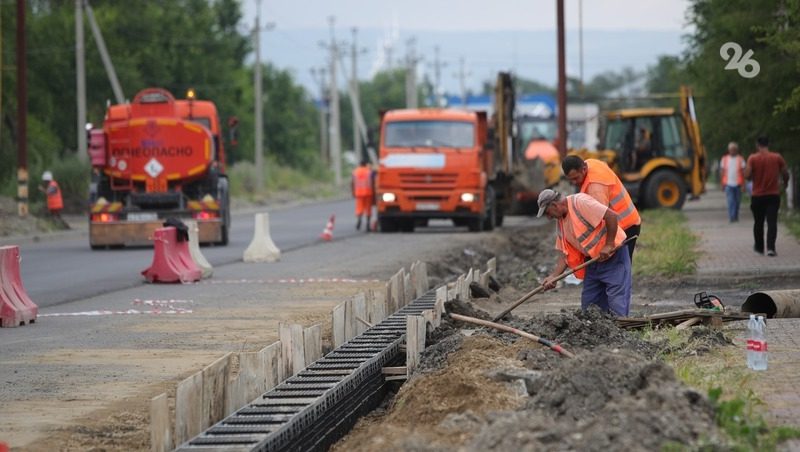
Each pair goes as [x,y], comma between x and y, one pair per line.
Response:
[589,230]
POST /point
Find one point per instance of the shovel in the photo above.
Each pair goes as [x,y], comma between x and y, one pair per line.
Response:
[540,289]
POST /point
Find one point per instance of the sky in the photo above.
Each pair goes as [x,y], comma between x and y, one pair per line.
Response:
[495,35]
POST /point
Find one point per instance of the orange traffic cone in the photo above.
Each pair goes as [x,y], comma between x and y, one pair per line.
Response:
[327,233]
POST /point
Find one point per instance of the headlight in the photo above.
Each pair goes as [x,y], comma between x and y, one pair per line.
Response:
[388,197]
[467,197]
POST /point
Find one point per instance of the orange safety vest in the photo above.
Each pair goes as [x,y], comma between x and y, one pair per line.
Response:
[590,237]
[362,181]
[54,200]
[619,200]
[739,171]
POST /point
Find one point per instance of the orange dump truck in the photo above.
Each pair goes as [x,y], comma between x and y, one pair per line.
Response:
[446,164]
[157,158]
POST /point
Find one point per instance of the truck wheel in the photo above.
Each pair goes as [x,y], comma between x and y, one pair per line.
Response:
[499,217]
[491,210]
[664,189]
[407,225]
[475,224]
[225,197]
[387,225]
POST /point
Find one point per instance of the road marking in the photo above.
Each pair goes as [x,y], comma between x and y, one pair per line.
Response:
[291,281]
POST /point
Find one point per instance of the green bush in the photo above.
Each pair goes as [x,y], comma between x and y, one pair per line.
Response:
[311,181]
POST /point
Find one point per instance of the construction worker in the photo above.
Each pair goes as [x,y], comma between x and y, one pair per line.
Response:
[54,200]
[588,229]
[597,180]
[361,188]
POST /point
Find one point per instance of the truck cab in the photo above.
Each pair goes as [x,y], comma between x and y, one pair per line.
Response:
[435,163]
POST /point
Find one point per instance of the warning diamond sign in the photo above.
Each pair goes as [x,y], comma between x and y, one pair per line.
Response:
[153,168]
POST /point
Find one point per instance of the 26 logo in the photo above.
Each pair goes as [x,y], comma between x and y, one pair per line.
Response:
[739,62]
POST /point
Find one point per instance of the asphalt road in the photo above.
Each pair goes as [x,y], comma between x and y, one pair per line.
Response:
[65,269]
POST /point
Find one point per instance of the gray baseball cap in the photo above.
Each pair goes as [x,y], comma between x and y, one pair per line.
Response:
[546,197]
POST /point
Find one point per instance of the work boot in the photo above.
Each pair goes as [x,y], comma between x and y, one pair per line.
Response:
[358,224]
[369,222]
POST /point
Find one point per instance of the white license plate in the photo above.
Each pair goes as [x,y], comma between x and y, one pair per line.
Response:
[427,206]
[142,216]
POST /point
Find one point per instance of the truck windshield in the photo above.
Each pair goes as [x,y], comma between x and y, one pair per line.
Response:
[537,129]
[451,134]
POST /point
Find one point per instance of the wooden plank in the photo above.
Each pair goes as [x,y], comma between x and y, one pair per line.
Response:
[350,323]
[312,339]
[395,378]
[476,275]
[298,349]
[412,273]
[388,300]
[423,284]
[189,408]
[397,370]
[468,278]
[484,280]
[465,295]
[415,341]
[338,325]
[272,365]
[438,308]
[687,323]
[377,308]
[396,293]
[287,365]
[491,266]
[359,312]
[160,432]
[215,383]
[249,383]
[409,289]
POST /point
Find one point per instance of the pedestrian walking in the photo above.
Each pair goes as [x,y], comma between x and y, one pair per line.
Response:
[596,179]
[766,169]
[362,190]
[588,229]
[55,202]
[731,177]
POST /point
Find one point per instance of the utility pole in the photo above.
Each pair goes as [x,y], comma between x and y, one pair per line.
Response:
[562,81]
[101,47]
[22,113]
[335,123]
[323,114]
[437,77]
[354,52]
[387,50]
[462,75]
[80,80]
[580,43]
[259,121]
[411,74]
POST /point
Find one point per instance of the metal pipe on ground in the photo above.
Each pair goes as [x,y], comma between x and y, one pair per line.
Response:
[774,303]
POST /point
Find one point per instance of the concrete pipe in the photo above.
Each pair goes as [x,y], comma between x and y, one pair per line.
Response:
[775,303]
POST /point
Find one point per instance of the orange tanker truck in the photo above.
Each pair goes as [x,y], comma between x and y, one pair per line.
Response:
[157,158]
[438,163]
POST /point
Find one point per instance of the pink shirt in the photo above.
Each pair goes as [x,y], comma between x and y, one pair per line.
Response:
[590,208]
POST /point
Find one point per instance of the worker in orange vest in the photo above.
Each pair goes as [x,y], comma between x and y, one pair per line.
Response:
[588,229]
[731,179]
[362,190]
[54,200]
[597,180]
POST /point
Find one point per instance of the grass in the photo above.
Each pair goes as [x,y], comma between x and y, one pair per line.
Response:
[721,374]
[666,246]
[308,183]
[791,218]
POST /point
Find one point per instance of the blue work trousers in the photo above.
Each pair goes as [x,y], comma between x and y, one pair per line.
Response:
[608,285]
[734,197]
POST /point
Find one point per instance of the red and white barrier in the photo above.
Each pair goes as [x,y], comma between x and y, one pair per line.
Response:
[16,308]
[172,261]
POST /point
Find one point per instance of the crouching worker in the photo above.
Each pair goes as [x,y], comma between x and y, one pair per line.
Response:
[588,229]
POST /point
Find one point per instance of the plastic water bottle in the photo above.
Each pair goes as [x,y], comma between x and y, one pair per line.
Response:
[760,345]
[751,331]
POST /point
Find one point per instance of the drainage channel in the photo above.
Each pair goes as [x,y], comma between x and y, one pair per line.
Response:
[319,405]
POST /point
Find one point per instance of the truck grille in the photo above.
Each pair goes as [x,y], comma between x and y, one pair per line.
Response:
[422,181]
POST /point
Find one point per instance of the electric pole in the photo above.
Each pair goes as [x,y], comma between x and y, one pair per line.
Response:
[354,52]
[411,74]
[462,75]
[335,123]
[101,47]
[80,80]
[437,77]
[319,78]
[22,113]
[259,120]
[562,81]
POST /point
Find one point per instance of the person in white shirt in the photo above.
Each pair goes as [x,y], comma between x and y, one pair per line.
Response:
[731,175]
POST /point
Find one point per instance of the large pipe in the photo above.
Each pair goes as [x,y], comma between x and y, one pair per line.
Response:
[774,303]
